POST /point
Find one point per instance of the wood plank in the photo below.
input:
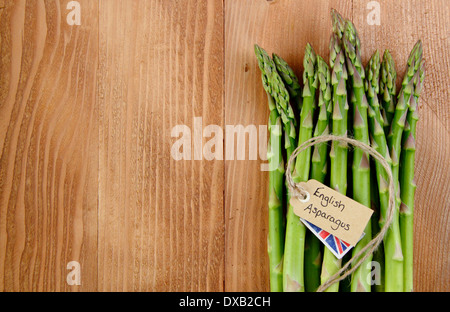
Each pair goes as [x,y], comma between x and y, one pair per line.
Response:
[278,26]
[401,25]
[48,139]
[160,220]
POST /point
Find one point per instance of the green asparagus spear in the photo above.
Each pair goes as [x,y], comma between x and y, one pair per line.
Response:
[338,152]
[372,81]
[295,230]
[319,157]
[361,164]
[388,90]
[394,281]
[278,91]
[407,185]
[290,80]
[310,82]
[276,214]
[313,248]
[379,142]
[372,88]
[276,179]
[293,255]
[338,24]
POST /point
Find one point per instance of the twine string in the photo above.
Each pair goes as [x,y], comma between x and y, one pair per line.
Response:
[298,191]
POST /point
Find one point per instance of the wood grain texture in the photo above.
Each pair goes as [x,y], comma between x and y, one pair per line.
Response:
[86,115]
[49,147]
[160,220]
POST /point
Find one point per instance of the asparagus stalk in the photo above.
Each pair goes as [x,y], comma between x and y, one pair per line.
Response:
[372,88]
[388,90]
[276,178]
[338,152]
[293,254]
[361,164]
[280,94]
[407,185]
[393,251]
[295,231]
[319,157]
[338,24]
[276,214]
[394,282]
[313,248]
[372,82]
[379,142]
[290,80]
[310,82]
[302,164]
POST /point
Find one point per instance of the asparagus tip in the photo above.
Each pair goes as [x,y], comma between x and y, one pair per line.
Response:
[338,23]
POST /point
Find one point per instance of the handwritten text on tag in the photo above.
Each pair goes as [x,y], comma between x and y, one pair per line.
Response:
[332,211]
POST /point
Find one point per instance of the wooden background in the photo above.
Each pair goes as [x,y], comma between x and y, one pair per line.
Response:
[86,114]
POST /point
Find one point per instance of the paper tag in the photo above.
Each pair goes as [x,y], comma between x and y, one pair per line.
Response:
[333,212]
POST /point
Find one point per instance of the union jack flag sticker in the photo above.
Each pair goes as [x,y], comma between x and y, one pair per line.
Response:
[337,246]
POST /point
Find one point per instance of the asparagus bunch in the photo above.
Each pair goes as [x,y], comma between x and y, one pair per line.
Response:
[379,117]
